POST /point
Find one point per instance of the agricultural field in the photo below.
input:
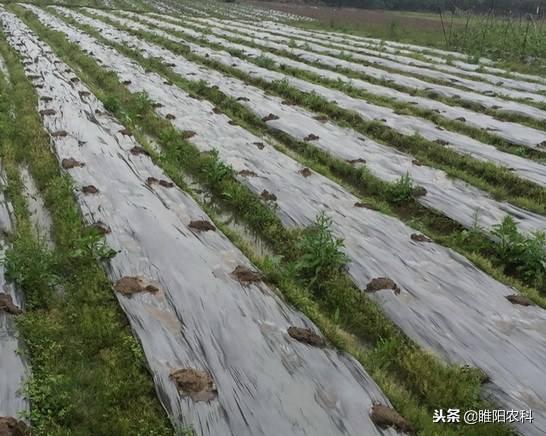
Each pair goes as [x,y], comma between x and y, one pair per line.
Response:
[224,219]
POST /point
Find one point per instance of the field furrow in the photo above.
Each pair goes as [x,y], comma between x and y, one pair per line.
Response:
[489,99]
[512,132]
[284,31]
[407,125]
[467,320]
[457,200]
[196,314]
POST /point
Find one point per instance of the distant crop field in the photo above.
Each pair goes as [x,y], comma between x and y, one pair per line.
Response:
[224,219]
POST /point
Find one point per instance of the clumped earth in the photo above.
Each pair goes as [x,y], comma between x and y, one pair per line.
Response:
[90,189]
[245,275]
[305,172]
[195,383]
[10,426]
[101,227]
[306,336]
[202,226]
[418,237]
[7,305]
[71,163]
[268,196]
[134,285]
[270,117]
[381,283]
[384,416]
[520,300]
[138,150]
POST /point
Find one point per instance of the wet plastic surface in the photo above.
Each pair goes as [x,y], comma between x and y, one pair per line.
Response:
[512,132]
[200,317]
[408,125]
[404,124]
[433,67]
[456,199]
[445,304]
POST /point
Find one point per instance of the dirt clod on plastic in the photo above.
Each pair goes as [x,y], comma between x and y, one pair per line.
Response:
[365,205]
[47,112]
[380,283]
[71,163]
[195,383]
[7,305]
[59,134]
[268,196]
[186,134]
[305,172]
[418,237]
[247,173]
[137,150]
[311,137]
[201,225]
[10,426]
[245,275]
[519,300]
[101,228]
[384,416]
[306,336]
[356,161]
[134,285]
[90,189]
[270,117]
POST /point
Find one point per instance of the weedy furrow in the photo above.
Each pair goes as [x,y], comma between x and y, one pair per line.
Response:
[492,98]
[534,171]
[514,133]
[458,200]
[178,286]
[279,32]
[379,246]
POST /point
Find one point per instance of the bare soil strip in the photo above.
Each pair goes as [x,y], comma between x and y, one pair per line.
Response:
[467,320]
[186,307]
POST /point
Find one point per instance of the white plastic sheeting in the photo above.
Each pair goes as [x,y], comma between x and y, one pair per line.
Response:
[382,47]
[282,30]
[407,125]
[456,199]
[446,304]
[512,132]
[487,99]
[201,317]
[13,368]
